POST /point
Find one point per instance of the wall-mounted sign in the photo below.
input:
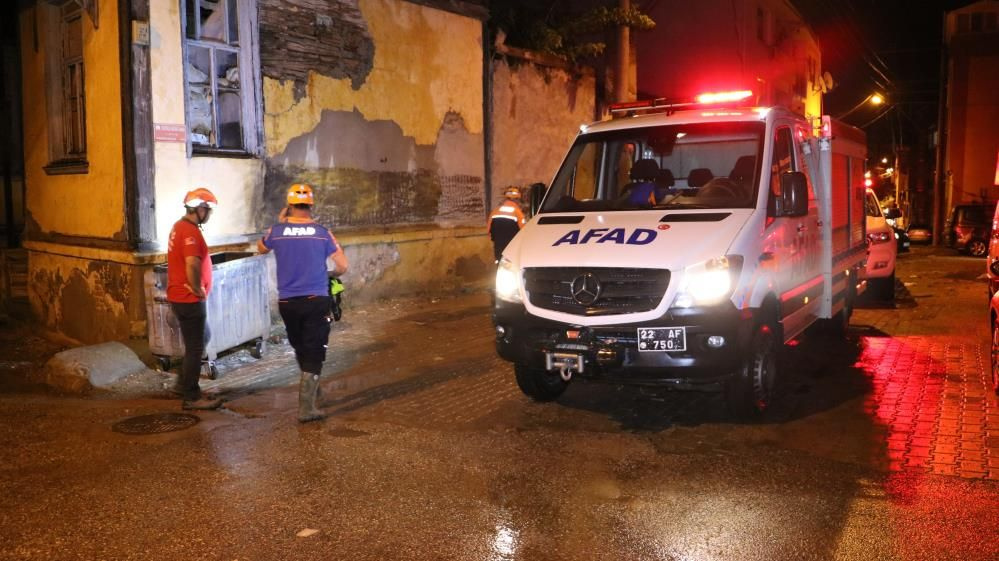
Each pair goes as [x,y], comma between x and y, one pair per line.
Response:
[169,133]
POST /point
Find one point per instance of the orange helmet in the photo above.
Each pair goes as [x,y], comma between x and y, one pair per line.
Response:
[300,194]
[200,197]
[512,192]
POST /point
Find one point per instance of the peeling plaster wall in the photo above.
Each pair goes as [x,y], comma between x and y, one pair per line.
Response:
[387,121]
[86,300]
[378,105]
[237,182]
[91,204]
[449,261]
[537,111]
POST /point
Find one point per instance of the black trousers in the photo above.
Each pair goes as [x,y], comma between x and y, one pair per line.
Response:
[502,231]
[192,318]
[307,320]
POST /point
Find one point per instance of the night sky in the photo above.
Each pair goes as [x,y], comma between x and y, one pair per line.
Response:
[889,46]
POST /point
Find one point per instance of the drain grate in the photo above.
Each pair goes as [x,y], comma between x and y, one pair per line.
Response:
[156,423]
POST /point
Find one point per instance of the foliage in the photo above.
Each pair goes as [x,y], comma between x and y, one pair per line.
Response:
[570,30]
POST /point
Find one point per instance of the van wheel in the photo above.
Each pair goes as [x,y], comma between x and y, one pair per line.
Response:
[539,384]
[750,391]
[978,248]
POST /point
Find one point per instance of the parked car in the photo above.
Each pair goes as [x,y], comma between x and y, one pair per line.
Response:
[902,237]
[992,261]
[994,322]
[920,233]
[880,270]
[969,228]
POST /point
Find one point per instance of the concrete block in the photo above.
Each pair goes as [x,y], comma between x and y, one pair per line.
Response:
[81,369]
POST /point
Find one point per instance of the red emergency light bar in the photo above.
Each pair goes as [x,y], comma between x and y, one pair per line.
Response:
[663,104]
[724,97]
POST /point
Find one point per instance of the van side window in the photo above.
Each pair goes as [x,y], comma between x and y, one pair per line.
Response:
[783,161]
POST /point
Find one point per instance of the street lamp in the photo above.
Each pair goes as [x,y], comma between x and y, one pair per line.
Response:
[874,99]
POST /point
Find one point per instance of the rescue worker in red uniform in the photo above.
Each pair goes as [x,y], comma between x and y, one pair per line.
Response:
[301,248]
[505,221]
[189,280]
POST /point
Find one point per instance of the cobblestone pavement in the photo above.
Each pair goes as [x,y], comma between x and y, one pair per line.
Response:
[881,446]
[925,359]
[928,362]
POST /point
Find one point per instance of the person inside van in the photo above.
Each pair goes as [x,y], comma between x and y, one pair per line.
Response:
[644,189]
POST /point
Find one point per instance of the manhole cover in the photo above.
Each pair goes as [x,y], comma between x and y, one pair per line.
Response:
[156,423]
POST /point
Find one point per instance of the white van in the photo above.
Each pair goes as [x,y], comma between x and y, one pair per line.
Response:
[882,249]
[682,248]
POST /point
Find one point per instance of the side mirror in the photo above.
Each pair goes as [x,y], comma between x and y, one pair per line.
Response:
[794,192]
[538,191]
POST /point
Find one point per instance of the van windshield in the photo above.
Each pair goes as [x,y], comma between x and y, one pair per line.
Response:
[706,165]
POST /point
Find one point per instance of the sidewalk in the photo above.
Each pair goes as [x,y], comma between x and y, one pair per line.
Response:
[392,332]
[391,329]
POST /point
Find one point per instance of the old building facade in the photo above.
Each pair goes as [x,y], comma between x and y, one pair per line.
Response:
[387,107]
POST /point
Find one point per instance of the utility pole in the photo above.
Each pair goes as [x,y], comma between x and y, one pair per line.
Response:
[622,64]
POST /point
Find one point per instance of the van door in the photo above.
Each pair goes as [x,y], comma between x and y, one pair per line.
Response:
[799,249]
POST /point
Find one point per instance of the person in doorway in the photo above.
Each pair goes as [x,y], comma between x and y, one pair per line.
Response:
[189,279]
[505,221]
[301,247]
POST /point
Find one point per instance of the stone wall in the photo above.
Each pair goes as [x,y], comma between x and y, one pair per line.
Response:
[537,109]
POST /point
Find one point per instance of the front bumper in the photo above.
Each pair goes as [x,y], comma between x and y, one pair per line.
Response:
[881,260]
[610,352]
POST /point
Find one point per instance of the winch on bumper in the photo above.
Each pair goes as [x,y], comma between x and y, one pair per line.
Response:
[716,338]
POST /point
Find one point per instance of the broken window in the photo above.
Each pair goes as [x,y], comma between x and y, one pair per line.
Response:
[217,101]
[66,90]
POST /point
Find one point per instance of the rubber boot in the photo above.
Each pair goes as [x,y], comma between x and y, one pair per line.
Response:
[308,396]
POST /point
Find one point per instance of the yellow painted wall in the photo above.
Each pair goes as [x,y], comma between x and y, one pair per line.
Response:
[237,182]
[414,83]
[87,300]
[92,204]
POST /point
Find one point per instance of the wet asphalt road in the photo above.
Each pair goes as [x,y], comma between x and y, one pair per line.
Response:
[431,452]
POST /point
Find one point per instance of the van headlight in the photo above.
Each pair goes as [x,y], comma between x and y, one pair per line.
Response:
[709,282]
[508,281]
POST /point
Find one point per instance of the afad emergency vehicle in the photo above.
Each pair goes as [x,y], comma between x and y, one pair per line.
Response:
[682,245]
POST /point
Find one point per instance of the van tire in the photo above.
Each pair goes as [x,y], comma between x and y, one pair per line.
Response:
[539,384]
[750,391]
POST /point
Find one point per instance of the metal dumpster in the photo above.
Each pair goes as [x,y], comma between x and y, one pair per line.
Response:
[238,310]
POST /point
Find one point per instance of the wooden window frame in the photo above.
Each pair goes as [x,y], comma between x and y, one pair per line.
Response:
[249,72]
[66,156]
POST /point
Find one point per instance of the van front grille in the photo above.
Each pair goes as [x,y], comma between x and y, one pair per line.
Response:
[617,290]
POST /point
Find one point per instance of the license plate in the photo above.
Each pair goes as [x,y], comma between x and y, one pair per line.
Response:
[658,339]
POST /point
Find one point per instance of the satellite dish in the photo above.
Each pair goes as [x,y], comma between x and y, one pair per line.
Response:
[827,80]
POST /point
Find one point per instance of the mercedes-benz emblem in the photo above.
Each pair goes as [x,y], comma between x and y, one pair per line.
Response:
[585,289]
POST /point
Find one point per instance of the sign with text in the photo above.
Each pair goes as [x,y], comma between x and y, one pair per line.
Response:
[169,133]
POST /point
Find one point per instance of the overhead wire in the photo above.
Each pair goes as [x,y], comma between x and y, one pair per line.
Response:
[845,22]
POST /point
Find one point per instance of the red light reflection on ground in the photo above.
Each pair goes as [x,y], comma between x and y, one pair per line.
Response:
[932,396]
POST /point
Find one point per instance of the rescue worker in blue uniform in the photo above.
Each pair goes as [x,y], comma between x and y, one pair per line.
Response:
[301,248]
[505,221]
